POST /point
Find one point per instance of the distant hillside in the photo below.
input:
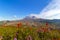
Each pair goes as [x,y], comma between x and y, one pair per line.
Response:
[32,20]
[55,22]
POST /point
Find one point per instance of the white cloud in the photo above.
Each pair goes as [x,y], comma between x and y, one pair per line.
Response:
[14,17]
[51,11]
[1,18]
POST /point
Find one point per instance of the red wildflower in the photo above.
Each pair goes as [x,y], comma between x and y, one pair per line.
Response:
[46,24]
[44,29]
[19,24]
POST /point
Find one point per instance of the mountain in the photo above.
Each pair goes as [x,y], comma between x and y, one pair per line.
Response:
[32,20]
[41,20]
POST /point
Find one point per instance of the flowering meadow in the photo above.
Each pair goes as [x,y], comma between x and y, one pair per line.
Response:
[26,32]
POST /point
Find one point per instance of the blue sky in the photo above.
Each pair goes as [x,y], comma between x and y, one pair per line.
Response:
[9,9]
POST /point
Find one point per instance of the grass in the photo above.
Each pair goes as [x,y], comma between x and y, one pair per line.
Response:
[23,33]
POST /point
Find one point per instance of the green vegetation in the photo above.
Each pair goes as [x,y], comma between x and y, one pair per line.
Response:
[27,32]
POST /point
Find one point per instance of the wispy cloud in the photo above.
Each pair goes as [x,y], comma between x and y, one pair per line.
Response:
[51,11]
[14,17]
[1,18]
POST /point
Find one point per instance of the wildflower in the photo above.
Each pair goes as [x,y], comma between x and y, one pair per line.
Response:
[15,38]
[29,37]
[44,29]
[17,32]
[46,24]
[19,24]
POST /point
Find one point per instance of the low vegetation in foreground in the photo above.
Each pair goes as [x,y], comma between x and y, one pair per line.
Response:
[26,32]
